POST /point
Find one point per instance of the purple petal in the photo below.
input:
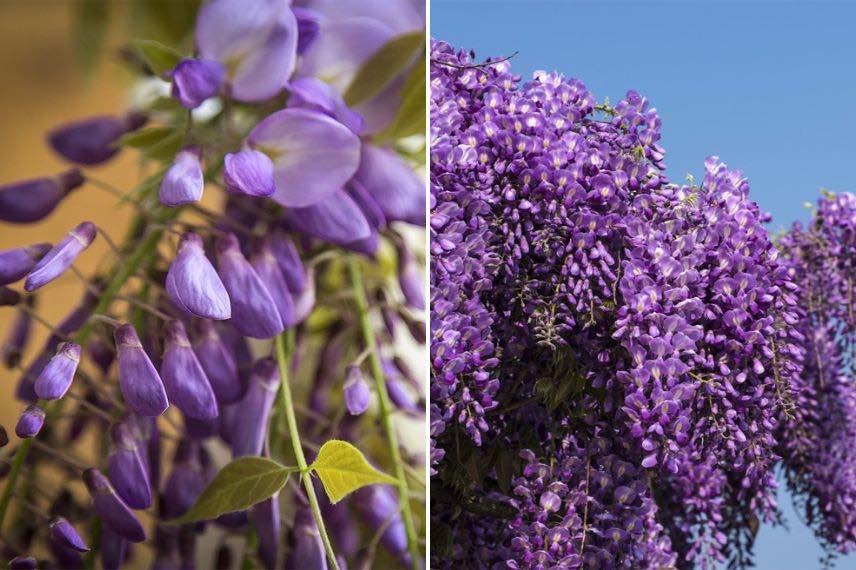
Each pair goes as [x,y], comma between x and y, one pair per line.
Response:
[258,40]
[249,172]
[183,183]
[64,534]
[112,510]
[266,521]
[264,262]
[183,376]
[312,93]
[336,218]
[127,470]
[392,182]
[356,391]
[17,262]
[254,313]
[139,381]
[195,80]
[218,361]
[314,155]
[92,141]
[289,261]
[193,283]
[30,423]
[56,377]
[250,432]
[61,257]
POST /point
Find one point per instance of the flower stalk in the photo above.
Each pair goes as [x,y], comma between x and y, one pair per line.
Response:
[385,406]
[286,408]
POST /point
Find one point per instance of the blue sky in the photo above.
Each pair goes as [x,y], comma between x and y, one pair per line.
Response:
[770,87]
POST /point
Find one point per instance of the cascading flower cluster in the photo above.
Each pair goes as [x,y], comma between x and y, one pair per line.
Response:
[168,351]
[817,441]
[582,304]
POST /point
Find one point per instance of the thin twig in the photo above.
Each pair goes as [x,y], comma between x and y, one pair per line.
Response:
[472,65]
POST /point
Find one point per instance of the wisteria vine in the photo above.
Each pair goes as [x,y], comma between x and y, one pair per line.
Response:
[619,363]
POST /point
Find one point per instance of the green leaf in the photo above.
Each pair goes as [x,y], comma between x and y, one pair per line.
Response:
[157,143]
[145,138]
[384,66]
[238,486]
[410,119]
[342,469]
[159,57]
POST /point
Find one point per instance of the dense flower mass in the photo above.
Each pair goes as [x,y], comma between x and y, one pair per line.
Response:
[271,257]
[616,359]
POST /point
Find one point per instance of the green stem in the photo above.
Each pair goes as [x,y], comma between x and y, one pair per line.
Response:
[385,408]
[136,259]
[286,405]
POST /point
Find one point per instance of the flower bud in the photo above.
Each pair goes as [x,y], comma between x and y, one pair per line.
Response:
[193,284]
[65,558]
[195,80]
[17,262]
[218,362]
[185,380]
[4,437]
[113,511]
[127,470]
[61,256]
[306,548]
[93,141]
[57,375]
[249,433]
[31,200]
[113,549]
[144,429]
[289,261]
[409,279]
[254,312]
[249,172]
[102,354]
[30,423]
[19,334]
[378,506]
[63,534]
[266,521]
[23,563]
[400,396]
[356,390]
[268,271]
[183,182]
[142,387]
[185,482]
[8,297]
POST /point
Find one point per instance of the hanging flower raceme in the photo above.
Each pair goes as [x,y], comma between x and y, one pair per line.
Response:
[641,345]
[215,331]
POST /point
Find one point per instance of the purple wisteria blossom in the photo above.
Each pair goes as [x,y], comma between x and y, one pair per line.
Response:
[262,222]
[619,363]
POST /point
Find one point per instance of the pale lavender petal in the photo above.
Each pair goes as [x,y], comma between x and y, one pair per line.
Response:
[336,218]
[396,188]
[313,154]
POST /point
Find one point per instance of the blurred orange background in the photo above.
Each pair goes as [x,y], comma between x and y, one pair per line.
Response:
[44,86]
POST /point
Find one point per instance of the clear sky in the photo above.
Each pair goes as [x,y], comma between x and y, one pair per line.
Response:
[770,87]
